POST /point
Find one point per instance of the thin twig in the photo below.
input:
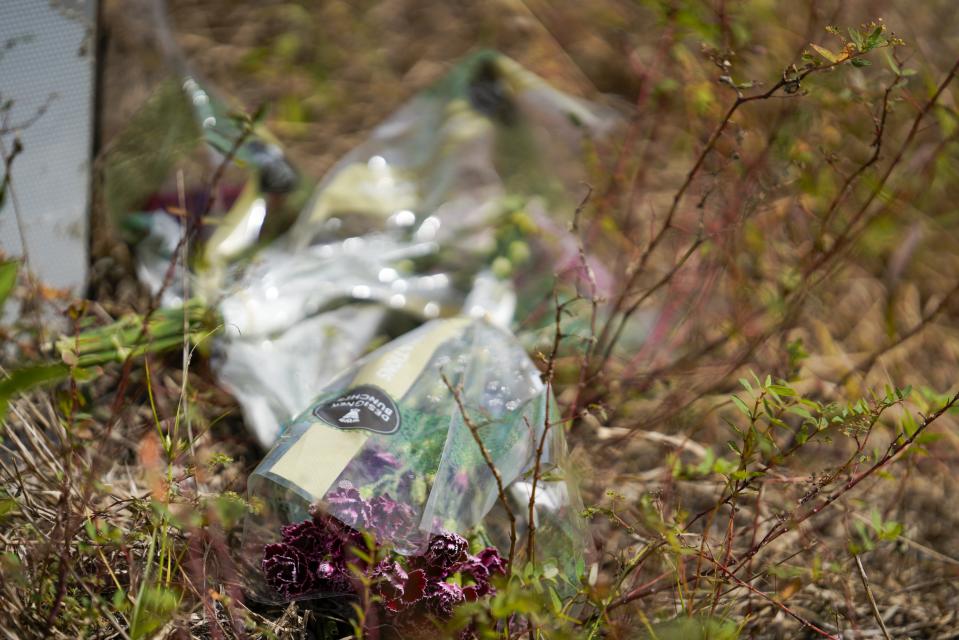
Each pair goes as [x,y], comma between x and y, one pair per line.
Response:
[845,237]
[537,464]
[877,149]
[896,448]
[782,607]
[787,80]
[872,599]
[500,488]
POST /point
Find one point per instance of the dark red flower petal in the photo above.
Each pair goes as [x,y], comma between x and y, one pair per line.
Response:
[415,586]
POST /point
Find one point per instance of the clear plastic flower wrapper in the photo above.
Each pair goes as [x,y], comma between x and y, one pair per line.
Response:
[477,173]
[156,177]
[447,163]
[390,448]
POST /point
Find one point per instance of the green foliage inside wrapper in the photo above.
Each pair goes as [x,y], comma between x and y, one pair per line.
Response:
[431,461]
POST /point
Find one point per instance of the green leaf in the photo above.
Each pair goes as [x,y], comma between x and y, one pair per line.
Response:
[860,62]
[119,601]
[909,424]
[8,278]
[856,37]
[27,378]
[802,412]
[782,390]
[7,505]
[825,53]
[741,406]
[557,603]
[891,531]
[893,66]
[928,438]
[155,606]
[874,39]
[691,628]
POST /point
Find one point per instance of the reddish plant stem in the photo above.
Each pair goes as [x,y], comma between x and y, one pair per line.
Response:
[488,459]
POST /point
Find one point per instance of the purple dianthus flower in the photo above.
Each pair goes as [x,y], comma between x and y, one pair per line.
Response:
[307,537]
[287,570]
[480,568]
[315,557]
[399,589]
[474,569]
[492,560]
[340,538]
[389,580]
[415,587]
[444,551]
[332,577]
[346,504]
[390,520]
[442,598]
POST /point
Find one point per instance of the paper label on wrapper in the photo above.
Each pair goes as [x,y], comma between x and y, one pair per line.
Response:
[318,457]
[364,407]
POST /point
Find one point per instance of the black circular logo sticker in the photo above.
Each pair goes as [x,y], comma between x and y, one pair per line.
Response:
[363,407]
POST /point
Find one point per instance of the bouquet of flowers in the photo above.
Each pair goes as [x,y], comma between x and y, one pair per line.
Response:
[326,554]
[403,446]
